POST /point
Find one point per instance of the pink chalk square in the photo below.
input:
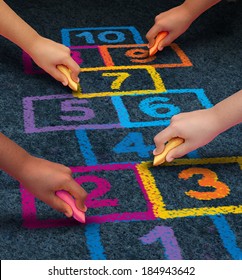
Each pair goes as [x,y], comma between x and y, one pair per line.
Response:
[85,56]
[30,67]
[96,200]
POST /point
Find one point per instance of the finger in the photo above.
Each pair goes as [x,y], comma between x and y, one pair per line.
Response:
[75,69]
[159,149]
[78,193]
[161,138]
[60,205]
[160,48]
[59,76]
[166,41]
[178,152]
[151,35]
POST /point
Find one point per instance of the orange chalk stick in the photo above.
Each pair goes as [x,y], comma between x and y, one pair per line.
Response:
[171,144]
[67,72]
[159,37]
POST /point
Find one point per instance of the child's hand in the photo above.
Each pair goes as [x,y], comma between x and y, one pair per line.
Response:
[43,178]
[47,54]
[175,21]
[197,128]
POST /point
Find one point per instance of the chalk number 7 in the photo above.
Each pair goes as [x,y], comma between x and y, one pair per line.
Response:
[121,77]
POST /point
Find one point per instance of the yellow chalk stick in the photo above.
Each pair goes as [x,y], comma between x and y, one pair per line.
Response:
[67,72]
[171,144]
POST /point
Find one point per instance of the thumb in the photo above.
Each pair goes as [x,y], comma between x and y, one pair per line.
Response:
[55,73]
[75,69]
[151,35]
[61,206]
[78,193]
[166,41]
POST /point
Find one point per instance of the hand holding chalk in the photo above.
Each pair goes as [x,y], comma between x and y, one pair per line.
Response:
[154,49]
[67,72]
[171,144]
[67,197]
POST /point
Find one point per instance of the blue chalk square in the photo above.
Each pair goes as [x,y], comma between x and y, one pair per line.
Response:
[117,145]
[101,36]
[157,109]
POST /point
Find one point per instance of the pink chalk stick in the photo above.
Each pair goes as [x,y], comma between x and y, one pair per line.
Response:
[77,214]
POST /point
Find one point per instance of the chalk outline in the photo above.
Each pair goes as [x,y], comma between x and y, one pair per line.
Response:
[155,77]
[29,210]
[227,236]
[94,243]
[122,112]
[156,198]
[124,115]
[65,33]
[90,158]
[108,60]
[29,117]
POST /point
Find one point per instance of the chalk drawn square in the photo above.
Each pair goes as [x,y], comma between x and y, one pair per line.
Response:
[137,54]
[216,197]
[108,205]
[118,80]
[100,36]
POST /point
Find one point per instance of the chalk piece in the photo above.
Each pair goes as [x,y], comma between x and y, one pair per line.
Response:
[67,72]
[77,214]
[171,144]
[159,37]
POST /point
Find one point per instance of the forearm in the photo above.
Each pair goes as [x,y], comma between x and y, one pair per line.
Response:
[196,7]
[15,29]
[12,157]
[229,111]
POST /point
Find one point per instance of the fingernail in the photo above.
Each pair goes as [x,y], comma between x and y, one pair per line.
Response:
[68,215]
[85,208]
[170,159]
[64,84]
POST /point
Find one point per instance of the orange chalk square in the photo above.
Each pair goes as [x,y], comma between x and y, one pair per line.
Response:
[138,54]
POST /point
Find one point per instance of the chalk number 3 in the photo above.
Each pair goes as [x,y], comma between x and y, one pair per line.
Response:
[209,179]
